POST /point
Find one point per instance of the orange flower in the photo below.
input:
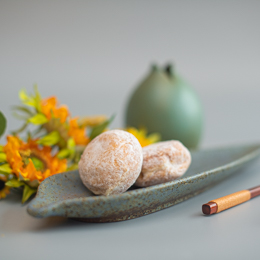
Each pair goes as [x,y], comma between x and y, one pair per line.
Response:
[30,161]
[77,133]
[50,108]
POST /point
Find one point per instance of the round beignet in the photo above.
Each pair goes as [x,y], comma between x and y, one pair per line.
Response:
[163,162]
[111,162]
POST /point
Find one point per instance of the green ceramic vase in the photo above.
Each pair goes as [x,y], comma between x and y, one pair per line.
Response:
[166,104]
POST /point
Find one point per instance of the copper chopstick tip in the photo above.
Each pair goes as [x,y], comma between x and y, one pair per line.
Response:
[209,208]
[255,191]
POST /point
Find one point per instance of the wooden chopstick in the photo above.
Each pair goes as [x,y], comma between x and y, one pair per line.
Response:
[229,201]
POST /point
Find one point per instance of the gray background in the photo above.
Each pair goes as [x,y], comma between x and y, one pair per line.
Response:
[91,54]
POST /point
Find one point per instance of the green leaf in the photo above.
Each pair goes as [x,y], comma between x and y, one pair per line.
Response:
[27,192]
[2,123]
[38,119]
[71,143]
[97,130]
[69,151]
[72,167]
[5,168]
[4,173]
[20,117]
[38,131]
[37,98]
[64,153]
[14,183]
[33,184]
[23,95]
[50,139]
[21,129]
[23,109]
[21,178]
[29,135]
[1,148]
[27,100]
[2,157]
[38,164]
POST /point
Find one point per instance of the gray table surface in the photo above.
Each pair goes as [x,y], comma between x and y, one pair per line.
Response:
[180,232]
[91,54]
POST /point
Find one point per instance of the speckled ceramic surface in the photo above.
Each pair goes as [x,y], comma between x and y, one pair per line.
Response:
[65,195]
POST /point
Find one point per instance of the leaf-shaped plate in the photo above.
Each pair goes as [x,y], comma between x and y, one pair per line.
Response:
[65,195]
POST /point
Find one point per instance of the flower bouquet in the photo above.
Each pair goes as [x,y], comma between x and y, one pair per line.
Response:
[52,142]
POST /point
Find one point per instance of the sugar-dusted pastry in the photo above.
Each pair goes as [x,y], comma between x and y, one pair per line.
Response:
[111,162]
[163,162]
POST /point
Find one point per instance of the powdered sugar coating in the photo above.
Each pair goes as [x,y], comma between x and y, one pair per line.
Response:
[111,162]
[163,162]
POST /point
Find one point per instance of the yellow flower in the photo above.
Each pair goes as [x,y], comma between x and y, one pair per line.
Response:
[142,137]
[31,162]
[4,190]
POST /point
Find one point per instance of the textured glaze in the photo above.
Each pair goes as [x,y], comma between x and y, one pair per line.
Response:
[65,195]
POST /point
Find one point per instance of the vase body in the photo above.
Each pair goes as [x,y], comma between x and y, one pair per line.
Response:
[166,104]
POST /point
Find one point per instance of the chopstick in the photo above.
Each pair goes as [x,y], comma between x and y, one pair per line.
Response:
[229,201]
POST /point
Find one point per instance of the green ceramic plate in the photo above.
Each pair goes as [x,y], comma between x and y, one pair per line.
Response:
[65,195]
